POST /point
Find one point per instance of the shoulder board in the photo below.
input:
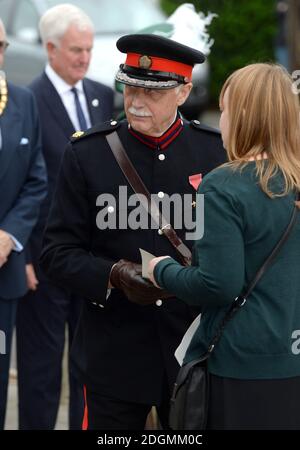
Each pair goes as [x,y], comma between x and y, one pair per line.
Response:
[199,126]
[103,127]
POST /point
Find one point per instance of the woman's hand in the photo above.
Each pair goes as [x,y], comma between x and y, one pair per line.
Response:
[151,267]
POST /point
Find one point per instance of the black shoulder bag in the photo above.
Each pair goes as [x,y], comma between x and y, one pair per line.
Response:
[189,402]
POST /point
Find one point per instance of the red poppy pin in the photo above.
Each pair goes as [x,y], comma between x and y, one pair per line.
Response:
[195,180]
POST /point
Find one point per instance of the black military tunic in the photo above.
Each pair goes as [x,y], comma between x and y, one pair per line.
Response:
[127,349]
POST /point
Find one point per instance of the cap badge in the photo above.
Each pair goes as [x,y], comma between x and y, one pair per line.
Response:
[145,62]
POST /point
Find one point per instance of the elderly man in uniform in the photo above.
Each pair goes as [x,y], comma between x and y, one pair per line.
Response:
[128,333]
[67,101]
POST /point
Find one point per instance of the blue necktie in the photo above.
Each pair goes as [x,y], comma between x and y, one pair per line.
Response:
[80,115]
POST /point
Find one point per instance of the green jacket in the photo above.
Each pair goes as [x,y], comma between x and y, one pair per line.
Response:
[241,227]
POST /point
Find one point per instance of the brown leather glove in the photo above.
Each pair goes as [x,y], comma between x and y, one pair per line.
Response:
[127,276]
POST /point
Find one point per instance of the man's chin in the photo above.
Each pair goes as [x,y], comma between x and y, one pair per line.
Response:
[141,124]
[79,75]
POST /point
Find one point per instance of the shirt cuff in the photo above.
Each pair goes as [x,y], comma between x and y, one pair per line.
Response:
[18,247]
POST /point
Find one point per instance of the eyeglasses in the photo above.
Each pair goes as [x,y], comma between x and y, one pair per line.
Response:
[3,46]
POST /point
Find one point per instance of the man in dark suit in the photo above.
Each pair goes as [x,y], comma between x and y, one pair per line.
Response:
[92,239]
[22,188]
[67,102]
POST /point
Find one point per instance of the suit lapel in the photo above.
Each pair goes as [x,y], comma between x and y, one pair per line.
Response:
[11,130]
[56,107]
[93,102]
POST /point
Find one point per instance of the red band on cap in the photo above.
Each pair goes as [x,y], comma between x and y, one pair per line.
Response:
[161,65]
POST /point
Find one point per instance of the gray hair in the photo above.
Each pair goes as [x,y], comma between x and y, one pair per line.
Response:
[56,21]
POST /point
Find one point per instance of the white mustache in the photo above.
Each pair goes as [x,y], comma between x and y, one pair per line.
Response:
[138,112]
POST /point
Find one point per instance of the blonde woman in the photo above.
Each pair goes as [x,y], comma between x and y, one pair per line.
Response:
[255,368]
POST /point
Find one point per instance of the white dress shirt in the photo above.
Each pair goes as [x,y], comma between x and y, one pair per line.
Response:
[67,97]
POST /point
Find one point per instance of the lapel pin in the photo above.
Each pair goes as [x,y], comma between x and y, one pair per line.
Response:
[95,102]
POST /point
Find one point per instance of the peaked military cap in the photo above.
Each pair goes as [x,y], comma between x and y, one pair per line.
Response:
[156,62]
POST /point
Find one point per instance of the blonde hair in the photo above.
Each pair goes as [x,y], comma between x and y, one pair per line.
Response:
[264,118]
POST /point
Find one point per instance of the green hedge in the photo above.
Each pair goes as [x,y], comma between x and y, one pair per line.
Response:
[244,32]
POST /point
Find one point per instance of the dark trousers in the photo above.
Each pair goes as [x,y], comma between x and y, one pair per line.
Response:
[7,320]
[41,322]
[106,413]
[254,404]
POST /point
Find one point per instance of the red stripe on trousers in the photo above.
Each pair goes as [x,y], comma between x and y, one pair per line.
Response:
[85,422]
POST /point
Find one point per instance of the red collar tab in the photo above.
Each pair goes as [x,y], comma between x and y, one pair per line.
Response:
[162,142]
[159,64]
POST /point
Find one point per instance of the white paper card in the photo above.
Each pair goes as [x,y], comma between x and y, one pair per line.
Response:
[182,348]
[146,258]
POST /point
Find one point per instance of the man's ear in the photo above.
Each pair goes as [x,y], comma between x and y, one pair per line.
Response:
[50,47]
[184,93]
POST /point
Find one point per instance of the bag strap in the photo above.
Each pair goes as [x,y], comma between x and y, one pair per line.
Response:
[144,196]
[241,299]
